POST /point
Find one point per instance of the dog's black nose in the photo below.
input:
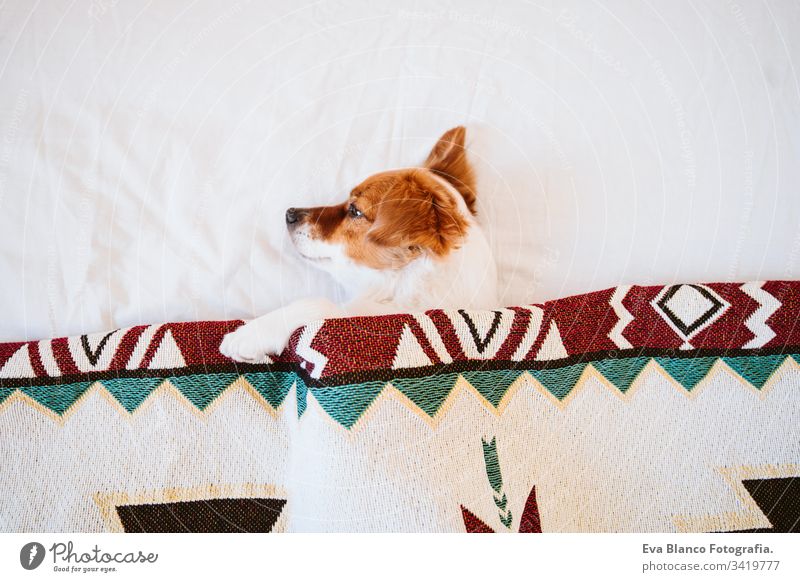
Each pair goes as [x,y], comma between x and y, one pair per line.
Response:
[292,216]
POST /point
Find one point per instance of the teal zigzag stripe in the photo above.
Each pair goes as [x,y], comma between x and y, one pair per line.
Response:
[199,389]
[756,369]
[492,385]
[5,393]
[57,398]
[273,386]
[688,372]
[202,389]
[560,381]
[130,394]
[347,403]
[429,393]
[621,373]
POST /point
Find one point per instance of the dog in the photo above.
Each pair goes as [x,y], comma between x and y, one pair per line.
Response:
[404,240]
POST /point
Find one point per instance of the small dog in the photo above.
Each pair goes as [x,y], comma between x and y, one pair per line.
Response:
[404,240]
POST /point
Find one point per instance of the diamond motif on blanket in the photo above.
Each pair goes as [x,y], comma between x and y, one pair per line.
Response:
[688,309]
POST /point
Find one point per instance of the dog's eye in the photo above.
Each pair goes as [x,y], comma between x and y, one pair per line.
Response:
[354,212]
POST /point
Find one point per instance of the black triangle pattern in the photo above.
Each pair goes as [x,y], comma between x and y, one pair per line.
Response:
[237,515]
[779,499]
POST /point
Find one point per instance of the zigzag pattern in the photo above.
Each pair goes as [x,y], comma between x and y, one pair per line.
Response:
[199,391]
[428,394]
[431,395]
[347,363]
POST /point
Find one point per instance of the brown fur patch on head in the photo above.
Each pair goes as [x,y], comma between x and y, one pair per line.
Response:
[390,219]
[326,220]
[417,213]
[393,217]
[448,159]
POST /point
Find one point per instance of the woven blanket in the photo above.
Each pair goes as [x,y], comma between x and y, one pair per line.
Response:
[669,408]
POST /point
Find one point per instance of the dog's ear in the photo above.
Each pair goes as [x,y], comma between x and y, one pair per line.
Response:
[417,214]
[448,159]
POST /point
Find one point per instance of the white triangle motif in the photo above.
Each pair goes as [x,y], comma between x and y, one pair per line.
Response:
[552,346]
[18,365]
[409,353]
[168,354]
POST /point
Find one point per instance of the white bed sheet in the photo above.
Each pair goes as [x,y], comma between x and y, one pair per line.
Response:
[148,151]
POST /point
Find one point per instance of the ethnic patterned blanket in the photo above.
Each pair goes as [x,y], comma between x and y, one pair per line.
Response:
[669,408]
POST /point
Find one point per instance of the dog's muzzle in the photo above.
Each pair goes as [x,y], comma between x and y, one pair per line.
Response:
[294,216]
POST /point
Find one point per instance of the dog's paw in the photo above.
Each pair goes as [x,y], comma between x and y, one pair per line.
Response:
[253,341]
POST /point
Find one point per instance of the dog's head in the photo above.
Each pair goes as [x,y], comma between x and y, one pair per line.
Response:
[393,217]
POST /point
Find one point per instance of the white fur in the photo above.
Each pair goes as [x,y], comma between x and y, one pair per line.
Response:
[465,278]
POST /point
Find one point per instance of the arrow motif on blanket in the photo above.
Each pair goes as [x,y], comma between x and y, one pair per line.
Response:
[496,480]
[530,521]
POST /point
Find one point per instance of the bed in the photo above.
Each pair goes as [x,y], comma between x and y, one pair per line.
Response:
[148,152]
